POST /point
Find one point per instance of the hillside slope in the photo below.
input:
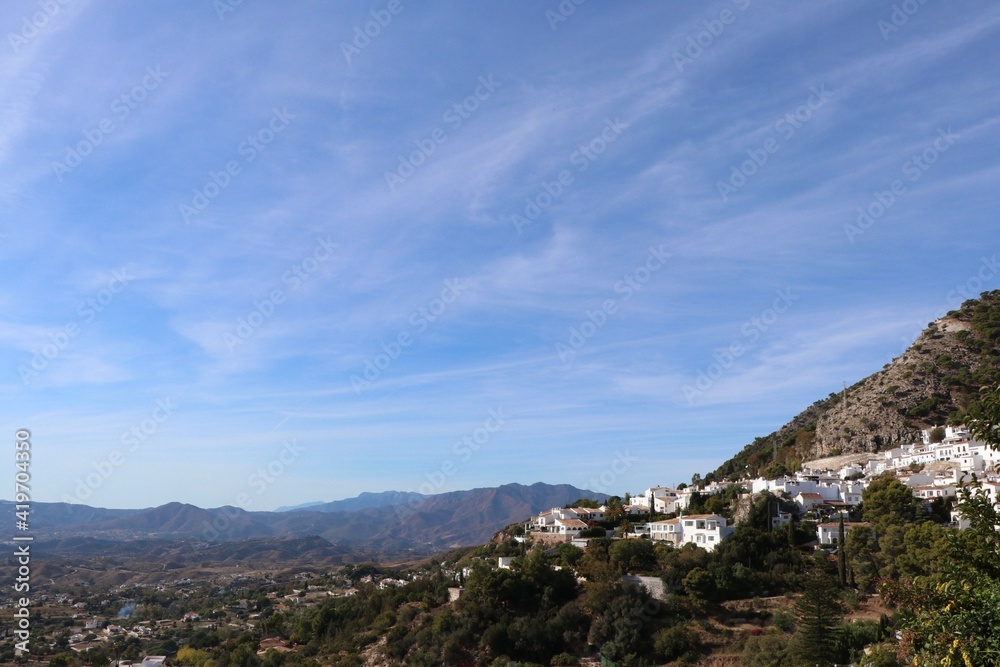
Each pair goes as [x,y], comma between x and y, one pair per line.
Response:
[936,381]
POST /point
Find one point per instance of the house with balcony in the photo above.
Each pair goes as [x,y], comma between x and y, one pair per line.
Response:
[702,530]
[668,530]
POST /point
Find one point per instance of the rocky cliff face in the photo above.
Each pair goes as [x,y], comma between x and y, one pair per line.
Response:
[936,381]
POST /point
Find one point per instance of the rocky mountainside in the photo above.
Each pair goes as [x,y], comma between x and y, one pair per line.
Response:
[936,381]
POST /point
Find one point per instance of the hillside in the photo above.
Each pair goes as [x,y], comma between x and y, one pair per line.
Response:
[936,381]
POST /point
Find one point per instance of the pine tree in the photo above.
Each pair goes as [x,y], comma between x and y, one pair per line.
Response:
[842,552]
[819,610]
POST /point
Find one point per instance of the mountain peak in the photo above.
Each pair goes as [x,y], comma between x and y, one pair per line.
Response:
[935,381]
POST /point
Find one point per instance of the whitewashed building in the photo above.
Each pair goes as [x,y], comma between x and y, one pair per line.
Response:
[829,533]
[703,530]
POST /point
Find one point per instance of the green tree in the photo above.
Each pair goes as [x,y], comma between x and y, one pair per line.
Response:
[568,554]
[191,656]
[887,501]
[819,611]
[700,584]
[59,660]
[770,650]
[632,555]
[621,616]
[841,552]
[956,613]
[862,551]
[986,427]
[672,643]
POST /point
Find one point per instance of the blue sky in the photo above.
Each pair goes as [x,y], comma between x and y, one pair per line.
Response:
[255,256]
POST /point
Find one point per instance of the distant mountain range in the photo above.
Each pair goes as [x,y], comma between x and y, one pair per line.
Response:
[365,501]
[373,522]
[934,382]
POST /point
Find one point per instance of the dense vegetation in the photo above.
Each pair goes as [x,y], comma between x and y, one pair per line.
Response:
[555,605]
[539,613]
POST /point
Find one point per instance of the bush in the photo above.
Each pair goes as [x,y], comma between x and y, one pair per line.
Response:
[767,650]
[784,621]
[674,642]
[700,584]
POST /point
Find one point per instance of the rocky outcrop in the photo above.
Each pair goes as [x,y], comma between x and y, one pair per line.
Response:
[934,382]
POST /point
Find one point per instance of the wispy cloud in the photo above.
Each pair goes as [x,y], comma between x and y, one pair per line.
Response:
[618,147]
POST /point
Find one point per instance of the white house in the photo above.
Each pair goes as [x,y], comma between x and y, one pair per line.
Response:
[829,533]
[568,527]
[503,562]
[807,501]
[930,492]
[547,521]
[659,494]
[668,530]
[851,494]
[704,530]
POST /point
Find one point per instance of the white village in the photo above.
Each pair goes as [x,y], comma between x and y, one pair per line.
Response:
[824,491]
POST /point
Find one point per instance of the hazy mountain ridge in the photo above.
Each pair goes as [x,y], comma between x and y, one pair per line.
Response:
[934,382]
[423,524]
[365,500]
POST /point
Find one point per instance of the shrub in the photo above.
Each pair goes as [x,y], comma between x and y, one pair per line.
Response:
[784,621]
[671,643]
